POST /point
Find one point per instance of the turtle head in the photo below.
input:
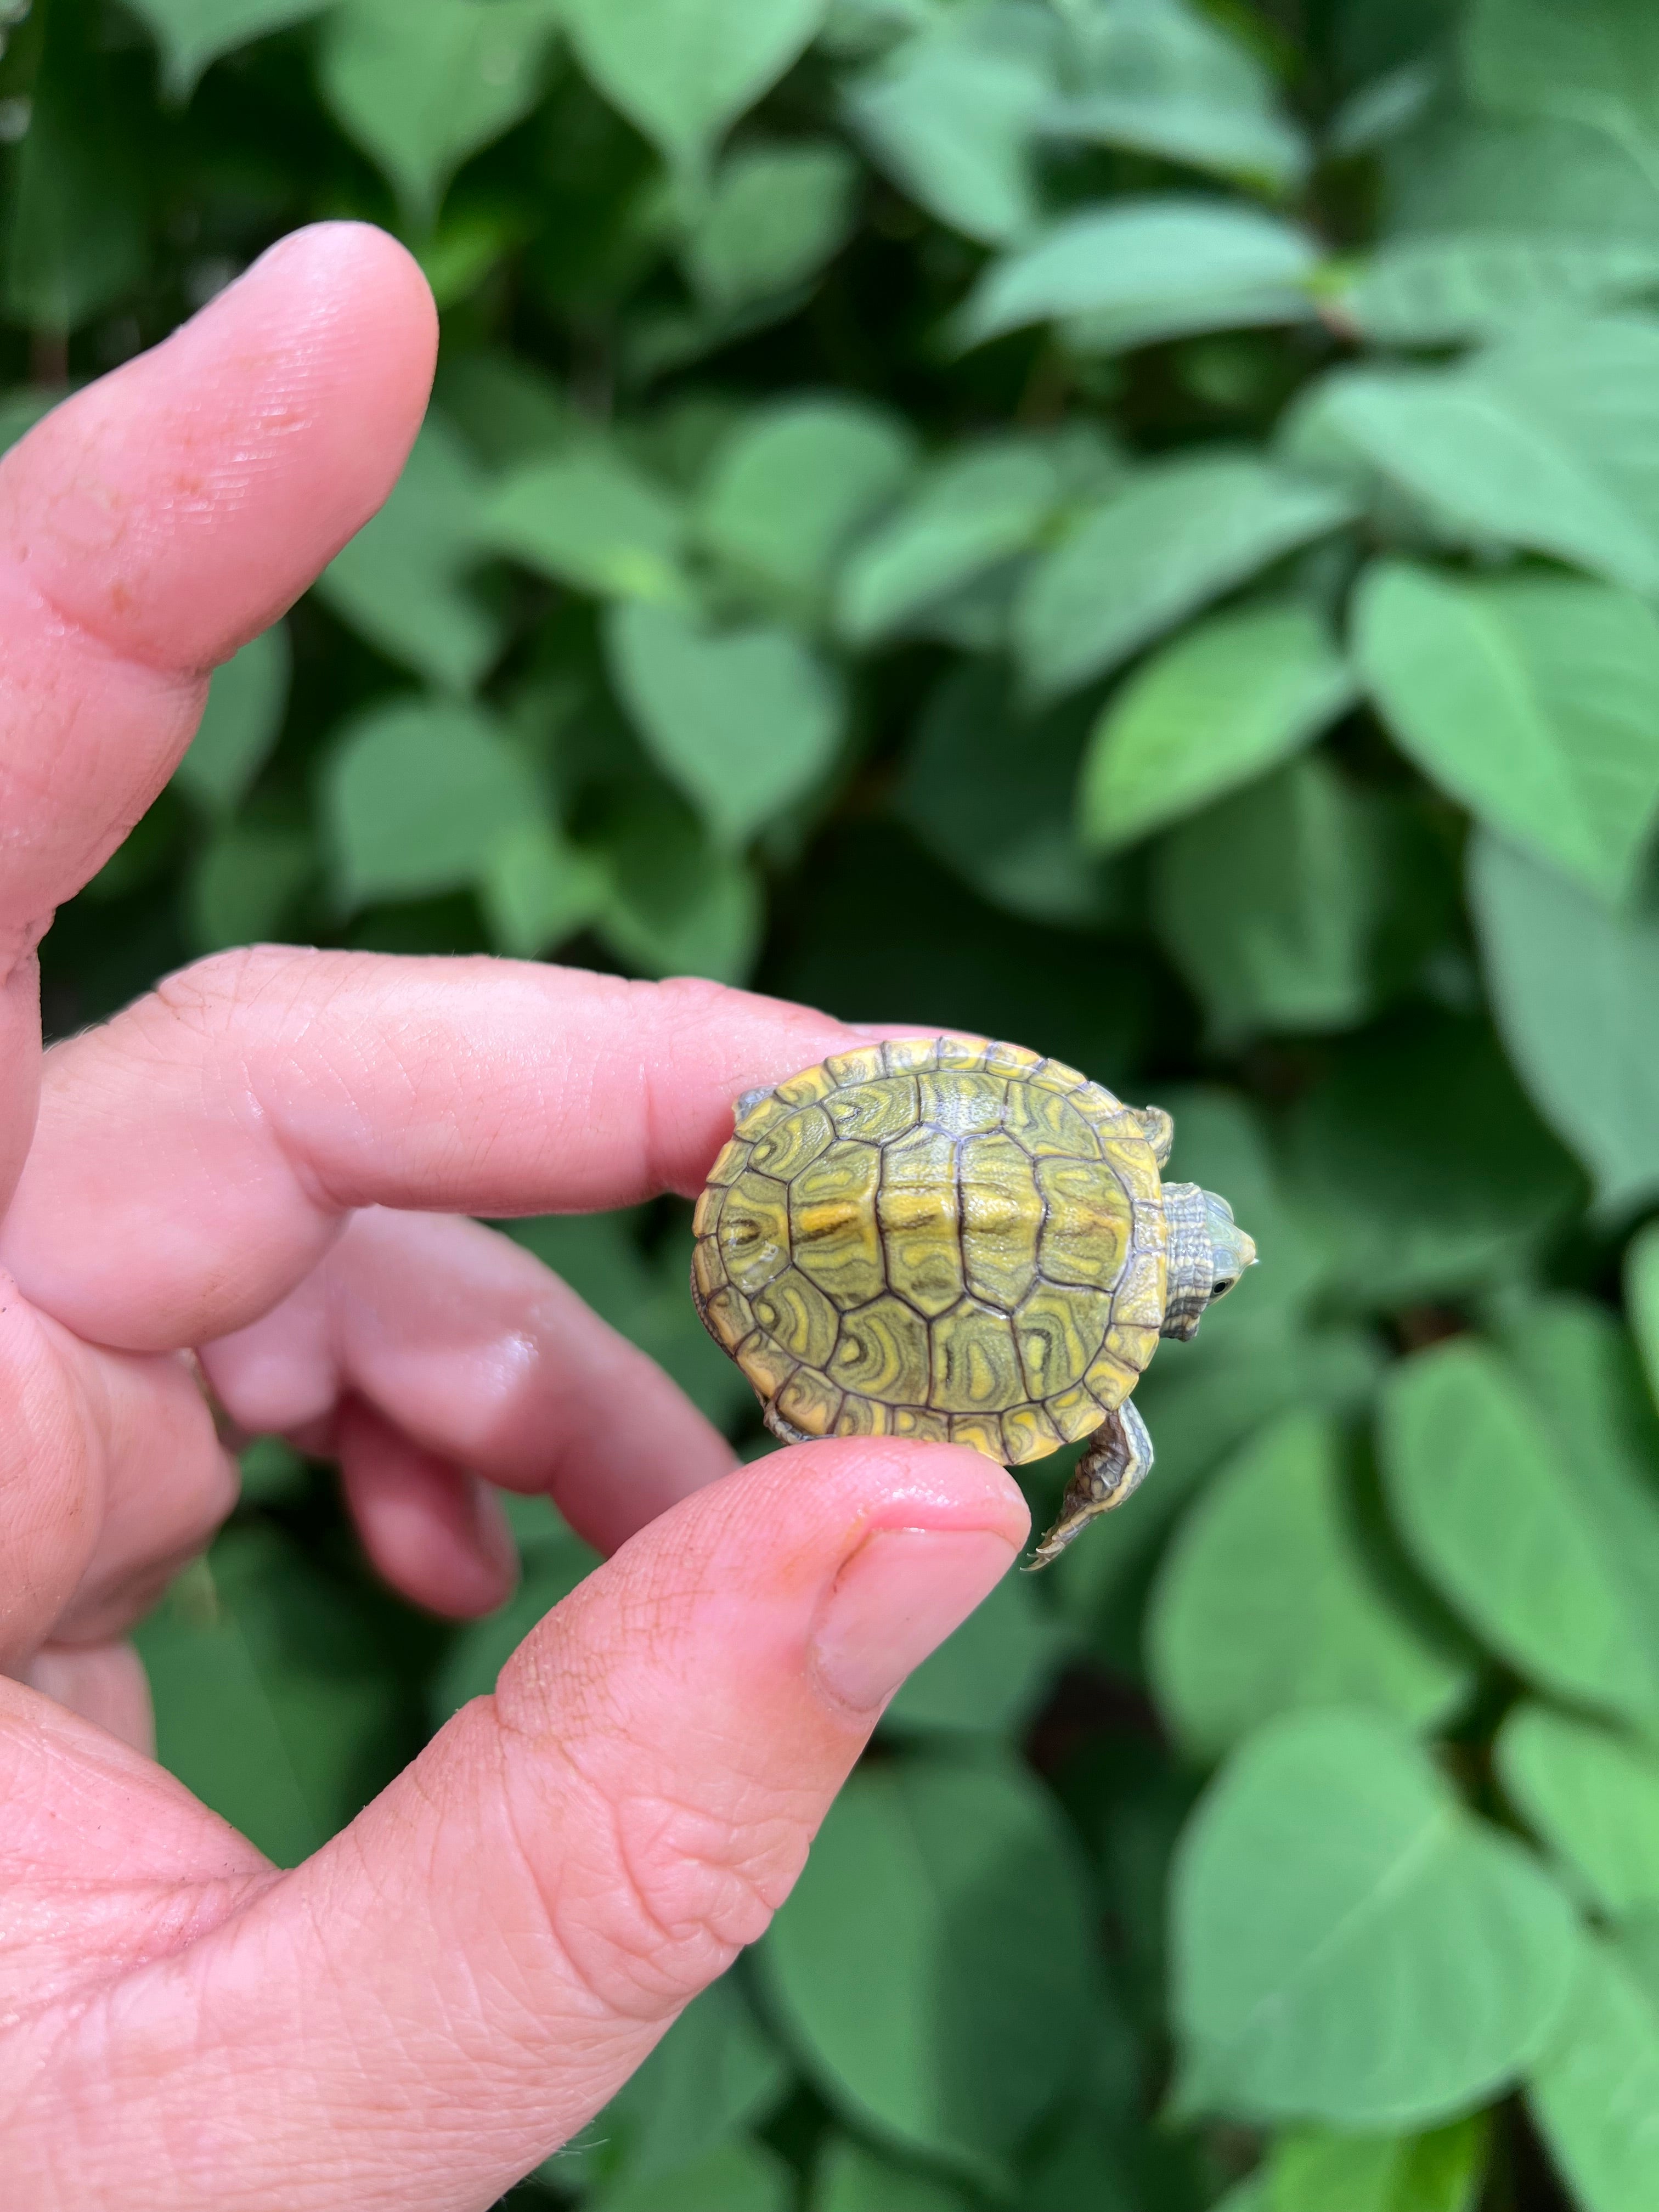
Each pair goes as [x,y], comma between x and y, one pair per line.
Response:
[1208,1253]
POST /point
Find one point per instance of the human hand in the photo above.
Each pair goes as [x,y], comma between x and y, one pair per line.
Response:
[267,1160]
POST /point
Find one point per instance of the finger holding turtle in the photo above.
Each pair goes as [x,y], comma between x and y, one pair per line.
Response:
[960,1241]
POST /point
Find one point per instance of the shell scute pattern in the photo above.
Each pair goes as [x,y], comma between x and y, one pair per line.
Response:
[793,1142]
[1087,1226]
[731,1313]
[1028,1433]
[865,1063]
[964,1104]
[753,1236]
[918,1214]
[1002,1219]
[910,1056]
[810,1402]
[1042,1121]
[832,1223]
[875,1111]
[936,1237]
[975,1361]
[1059,1331]
[883,1353]
[797,1313]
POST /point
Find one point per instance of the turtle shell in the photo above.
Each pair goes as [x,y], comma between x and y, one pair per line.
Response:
[938,1237]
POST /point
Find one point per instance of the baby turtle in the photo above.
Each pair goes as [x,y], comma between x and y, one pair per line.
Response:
[946,1239]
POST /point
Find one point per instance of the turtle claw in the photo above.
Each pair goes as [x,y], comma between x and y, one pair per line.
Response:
[1116,1463]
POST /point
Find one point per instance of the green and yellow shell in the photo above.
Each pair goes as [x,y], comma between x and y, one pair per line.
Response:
[938,1237]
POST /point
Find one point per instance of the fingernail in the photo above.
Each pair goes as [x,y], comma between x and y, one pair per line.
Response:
[895,1600]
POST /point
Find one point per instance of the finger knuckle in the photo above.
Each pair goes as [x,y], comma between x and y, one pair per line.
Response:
[659,1847]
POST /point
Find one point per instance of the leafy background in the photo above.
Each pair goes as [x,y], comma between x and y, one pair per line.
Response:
[1132,525]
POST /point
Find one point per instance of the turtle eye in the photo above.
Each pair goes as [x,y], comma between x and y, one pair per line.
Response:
[1220,1288]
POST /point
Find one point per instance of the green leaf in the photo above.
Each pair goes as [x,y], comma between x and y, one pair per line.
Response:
[712,2075]
[1642,1300]
[1133,271]
[466,247]
[1197,1413]
[933,1967]
[1594,2093]
[538,889]
[590,519]
[1593,1798]
[971,512]
[1436,291]
[1249,2195]
[1468,170]
[1226,701]
[401,581]
[193,34]
[418,796]
[421,89]
[272,1473]
[1157,76]
[991,1675]
[245,883]
[792,487]
[1265,1604]
[1417,1163]
[507,409]
[1268,902]
[1637,1942]
[679,905]
[1313,2170]
[1352,1948]
[73,237]
[1541,1535]
[1180,533]
[952,116]
[1534,701]
[776,214]
[1573,987]
[743,2176]
[246,702]
[274,1702]
[988,789]
[744,721]
[850,2179]
[1599,65]
[643,1295]
[683,71]
[1549,441]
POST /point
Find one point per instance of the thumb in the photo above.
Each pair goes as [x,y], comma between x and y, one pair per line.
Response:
[459,1981]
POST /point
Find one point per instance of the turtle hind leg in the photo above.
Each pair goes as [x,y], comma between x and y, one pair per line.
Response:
[1117,1461]
[785,1431]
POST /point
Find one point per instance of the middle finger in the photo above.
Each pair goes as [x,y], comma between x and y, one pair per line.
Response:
[476,1353]
[197,1157]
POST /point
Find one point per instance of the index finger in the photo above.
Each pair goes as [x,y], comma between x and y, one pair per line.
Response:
[197,1156]
[152,523]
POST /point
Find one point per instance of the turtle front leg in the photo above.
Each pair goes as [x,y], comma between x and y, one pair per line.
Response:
[1116,1463]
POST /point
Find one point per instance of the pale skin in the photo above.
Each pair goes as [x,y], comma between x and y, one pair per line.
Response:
[269,1163]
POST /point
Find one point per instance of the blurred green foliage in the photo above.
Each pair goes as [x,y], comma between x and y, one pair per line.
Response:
[1129,525]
